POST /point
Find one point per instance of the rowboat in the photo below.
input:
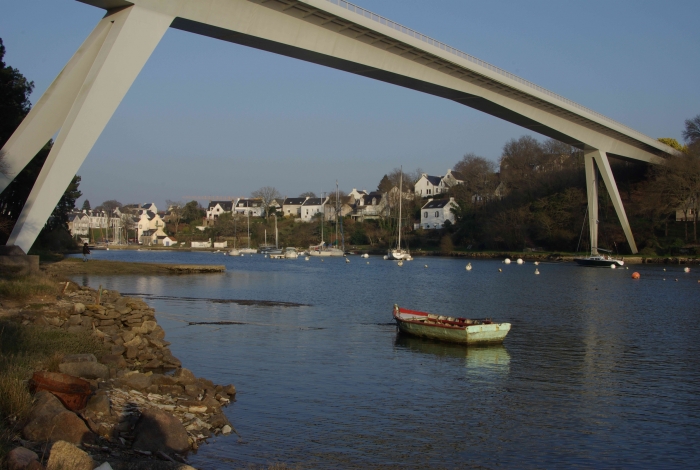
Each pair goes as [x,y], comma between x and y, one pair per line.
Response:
[451,329]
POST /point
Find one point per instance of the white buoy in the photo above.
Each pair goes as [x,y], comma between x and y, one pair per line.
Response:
[306,259]
[664,269]
[242,254]
[366,255]
[367,262]
[612,266]
[537,263]
[386,257]
[468,267]
[520,261]
[686,269]
[537,271]
[426,265]
[321,261]
[507,260]
[347,260]
[500,270]
[400,263]
[265,256]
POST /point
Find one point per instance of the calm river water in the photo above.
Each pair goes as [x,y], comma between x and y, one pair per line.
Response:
[598,370]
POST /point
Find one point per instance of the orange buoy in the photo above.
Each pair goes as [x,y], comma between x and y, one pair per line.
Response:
[635,275]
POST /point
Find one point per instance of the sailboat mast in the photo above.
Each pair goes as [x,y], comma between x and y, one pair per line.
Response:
[400,197]
[276,233]
[336,213]
[248,228]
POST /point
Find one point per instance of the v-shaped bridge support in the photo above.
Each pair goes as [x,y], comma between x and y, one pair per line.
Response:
[593,159]
[79,102]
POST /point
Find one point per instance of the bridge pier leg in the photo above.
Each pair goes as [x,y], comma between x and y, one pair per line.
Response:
[601,161]
[96,82]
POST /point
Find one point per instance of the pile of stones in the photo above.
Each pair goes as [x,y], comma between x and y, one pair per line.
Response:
[145,405]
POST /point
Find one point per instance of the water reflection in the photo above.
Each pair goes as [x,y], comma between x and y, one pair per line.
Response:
[476,357]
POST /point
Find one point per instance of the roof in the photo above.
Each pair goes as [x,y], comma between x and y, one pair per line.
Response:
[293,201]
[249,203]
[314,201]
[437,203]
[434,180]
[225,205]
[457,175]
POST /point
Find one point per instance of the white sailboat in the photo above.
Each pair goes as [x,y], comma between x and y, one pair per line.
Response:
[249,249]
[322,249]
[398,253]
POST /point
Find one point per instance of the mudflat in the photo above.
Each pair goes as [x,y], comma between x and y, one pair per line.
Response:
[70,266]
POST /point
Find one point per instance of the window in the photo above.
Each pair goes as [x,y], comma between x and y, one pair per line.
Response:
[427,191]
[437,213]
[425,215]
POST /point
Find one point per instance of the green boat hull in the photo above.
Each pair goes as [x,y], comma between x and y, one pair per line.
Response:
[474,334]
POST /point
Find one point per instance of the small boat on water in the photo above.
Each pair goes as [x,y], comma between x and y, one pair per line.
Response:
[596,259]
[454,330]
[291,253]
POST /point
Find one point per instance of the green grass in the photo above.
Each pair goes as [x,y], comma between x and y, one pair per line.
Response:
[23,350]
[20,287]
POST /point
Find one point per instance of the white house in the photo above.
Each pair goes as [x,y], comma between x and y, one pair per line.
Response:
[356,195]
[252,207]
[291,207]
[79,224]
[370,206]
[217,208]
[168,241]
[436,211]
[312,206]
[452,178]
[429,185]
[148,223]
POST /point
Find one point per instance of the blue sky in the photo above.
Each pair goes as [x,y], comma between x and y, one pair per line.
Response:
[209,118]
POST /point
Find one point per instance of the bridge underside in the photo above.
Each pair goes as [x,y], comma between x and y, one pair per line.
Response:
[83,97]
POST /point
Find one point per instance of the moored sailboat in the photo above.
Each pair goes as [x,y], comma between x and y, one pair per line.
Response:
[398,253]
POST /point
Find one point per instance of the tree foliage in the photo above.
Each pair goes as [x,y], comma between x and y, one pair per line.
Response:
[266,194]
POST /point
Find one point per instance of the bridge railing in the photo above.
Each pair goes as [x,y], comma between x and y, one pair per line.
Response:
[434,42]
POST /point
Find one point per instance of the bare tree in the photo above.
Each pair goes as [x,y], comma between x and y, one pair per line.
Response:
[267,194]
[109,206]
[308,194]
[175,208]
[478,176]
[691,133]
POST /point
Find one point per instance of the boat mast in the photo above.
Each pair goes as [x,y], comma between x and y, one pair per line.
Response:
[400,197]
[323,215]
[276,233]
[248,212]
[336,213]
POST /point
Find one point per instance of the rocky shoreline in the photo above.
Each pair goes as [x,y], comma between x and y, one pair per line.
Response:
[144,411]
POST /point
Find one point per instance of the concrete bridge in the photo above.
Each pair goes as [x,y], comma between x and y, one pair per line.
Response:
[333,33]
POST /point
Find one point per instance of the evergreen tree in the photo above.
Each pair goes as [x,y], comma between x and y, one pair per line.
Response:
[86,205]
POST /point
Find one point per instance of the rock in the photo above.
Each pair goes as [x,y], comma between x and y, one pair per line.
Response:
[226,429]
[109,322]
[104,466]
[172,360]
[79,358]
[192,390]
[86,370]
[172,389]
[138,381]
[78,308]
[184,376]
[161,379]
[20,458]
[230,389]
[114,360]
[118,350]
[132,352]
[128,336]
[65,455]
[124,310]
[74,329]
[158,430]
[49,420]
[75,320]
[153,364]
[135,341]
[219,420]
[150,326]
[99,404]
[158,333]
